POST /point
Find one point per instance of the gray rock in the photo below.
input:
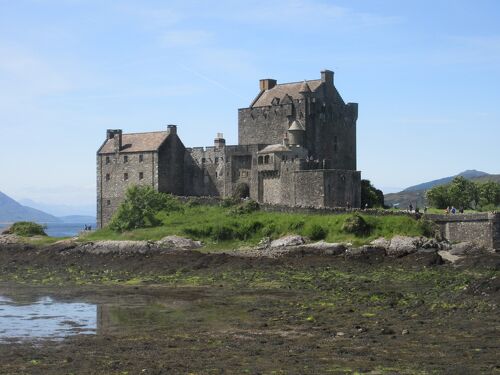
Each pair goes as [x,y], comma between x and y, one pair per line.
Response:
[401,246]
[291,240]
[462,248]
[9,239]
[366,250]
[118,247]
[326,248]
[177,242]
[381,242]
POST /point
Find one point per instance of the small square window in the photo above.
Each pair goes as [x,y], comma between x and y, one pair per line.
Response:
[141,175]
[125,176]
[107,160]
[216,160]
[108,202]
[125,159]
[108,177]
[203,160]
[141,158]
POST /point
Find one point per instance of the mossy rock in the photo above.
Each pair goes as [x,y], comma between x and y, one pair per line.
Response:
[356,225]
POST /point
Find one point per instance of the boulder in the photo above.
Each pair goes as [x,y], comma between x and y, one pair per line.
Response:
[381,242]
[401,246]
[118,247]
[291,240]
[365,251]
[177,242]
[6,239]
[326,248]
[462,248]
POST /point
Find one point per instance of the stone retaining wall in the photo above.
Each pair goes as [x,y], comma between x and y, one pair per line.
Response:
[483,228]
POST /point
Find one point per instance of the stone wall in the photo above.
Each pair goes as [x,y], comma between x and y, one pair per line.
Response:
[483,229]
[112,184]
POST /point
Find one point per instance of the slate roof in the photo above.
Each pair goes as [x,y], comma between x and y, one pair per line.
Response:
[293,89]
[274,148]
[137,142]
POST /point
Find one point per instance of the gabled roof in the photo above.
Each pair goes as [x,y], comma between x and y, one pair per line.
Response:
[293,90]
[136,142]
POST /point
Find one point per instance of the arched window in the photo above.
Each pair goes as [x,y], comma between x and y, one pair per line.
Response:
[260,160]
[266,159]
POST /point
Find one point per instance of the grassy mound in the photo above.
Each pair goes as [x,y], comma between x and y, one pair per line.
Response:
[27,229]
[229,225]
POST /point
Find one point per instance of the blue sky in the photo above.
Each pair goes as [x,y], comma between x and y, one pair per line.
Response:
[426,75]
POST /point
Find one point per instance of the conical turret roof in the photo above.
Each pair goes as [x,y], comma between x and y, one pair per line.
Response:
[296,125]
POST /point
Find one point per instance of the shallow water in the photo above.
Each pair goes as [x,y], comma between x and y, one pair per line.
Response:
[45,318]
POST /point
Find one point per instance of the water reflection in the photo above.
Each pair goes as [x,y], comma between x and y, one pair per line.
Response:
[45,319]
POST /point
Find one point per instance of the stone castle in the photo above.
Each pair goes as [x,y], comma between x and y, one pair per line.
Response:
[296,147]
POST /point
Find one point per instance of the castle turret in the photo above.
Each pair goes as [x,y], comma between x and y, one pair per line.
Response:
[296,133]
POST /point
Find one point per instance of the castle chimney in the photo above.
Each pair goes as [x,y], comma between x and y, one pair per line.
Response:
[327,76]
[116,136]
[172,129]
[267,84]
[219,141]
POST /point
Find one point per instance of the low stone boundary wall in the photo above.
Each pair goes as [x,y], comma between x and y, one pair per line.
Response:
[482,229]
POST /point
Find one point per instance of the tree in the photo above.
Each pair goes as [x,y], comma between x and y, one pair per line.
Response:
[371,195]
[140,207]
[438,196]
[489,193]
[463,193]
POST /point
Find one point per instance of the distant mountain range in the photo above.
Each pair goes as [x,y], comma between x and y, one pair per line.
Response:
[12,211]
[416,194]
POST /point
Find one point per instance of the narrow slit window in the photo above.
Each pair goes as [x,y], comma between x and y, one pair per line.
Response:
[108,160]
[141,158]
[108,177]
[125,158]
[141,175]
[125,176]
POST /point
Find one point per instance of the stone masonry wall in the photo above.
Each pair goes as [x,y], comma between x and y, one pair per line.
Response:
[112,188]
[483,229]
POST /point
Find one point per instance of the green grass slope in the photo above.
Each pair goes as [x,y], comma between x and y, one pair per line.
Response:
[221,228]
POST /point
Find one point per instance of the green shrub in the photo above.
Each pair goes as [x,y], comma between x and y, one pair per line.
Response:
[224,233]
[356,224]
[198,232]
[27,229]
[140,207]
[247,230]
[296,225]
[429,228]
[229,202]
[316,232]
[246,207]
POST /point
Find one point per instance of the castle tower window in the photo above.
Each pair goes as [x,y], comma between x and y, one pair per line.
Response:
[260,160]
[266,159]
[107,160]
[203,160]
[141,175]
[108,177]
[108,202]
[125,176]
[216,160]
[125,159]
[141,158]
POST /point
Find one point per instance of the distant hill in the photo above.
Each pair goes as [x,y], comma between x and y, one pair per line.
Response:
[416,194]
[470,174]
[12,211]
